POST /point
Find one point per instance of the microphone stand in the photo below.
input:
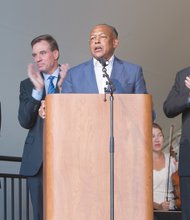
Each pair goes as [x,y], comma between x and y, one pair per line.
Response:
[110,89]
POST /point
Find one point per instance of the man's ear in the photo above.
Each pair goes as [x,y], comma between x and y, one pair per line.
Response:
[115,43]
[56,54]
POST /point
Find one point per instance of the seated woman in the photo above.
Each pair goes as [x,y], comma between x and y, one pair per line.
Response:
[163,196]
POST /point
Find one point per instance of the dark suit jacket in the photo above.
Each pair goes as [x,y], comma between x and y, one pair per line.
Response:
[29,119]
[127,78]
[175,104]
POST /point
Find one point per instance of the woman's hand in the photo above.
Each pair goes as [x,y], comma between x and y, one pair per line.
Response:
[165,205]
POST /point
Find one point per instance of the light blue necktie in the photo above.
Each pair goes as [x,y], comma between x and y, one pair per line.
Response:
[51,88]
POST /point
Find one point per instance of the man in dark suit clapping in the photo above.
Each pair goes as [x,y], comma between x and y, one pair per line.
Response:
[45,52]
[178,103]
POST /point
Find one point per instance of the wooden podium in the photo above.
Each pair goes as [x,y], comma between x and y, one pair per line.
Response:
[77,158]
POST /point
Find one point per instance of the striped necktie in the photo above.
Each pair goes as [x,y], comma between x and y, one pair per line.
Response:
[51,88]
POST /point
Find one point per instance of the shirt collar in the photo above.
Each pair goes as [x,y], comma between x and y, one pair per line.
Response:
[98,64]
[55,73]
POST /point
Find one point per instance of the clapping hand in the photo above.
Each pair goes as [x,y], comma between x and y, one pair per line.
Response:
[35,77]
[63,72]
[187,82]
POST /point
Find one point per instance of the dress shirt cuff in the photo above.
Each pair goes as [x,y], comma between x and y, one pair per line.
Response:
[36,94]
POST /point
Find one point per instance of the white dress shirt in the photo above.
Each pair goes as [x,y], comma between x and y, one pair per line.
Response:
[160,179]
[101,81]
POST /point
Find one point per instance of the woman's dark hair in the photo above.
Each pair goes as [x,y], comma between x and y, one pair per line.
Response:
[155,125]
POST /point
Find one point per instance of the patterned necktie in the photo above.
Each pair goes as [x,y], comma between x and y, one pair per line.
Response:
[51,88]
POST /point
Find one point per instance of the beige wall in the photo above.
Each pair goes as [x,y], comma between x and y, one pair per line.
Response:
[152,33]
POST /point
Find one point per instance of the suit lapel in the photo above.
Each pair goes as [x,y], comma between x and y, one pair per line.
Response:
[117,68]
[90,77]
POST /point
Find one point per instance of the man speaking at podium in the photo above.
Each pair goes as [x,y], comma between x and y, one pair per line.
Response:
[88,76]
[126,78]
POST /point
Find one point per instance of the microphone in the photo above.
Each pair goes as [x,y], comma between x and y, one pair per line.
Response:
[103,61]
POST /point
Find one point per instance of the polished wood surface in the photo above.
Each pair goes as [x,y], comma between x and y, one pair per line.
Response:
[76,157]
